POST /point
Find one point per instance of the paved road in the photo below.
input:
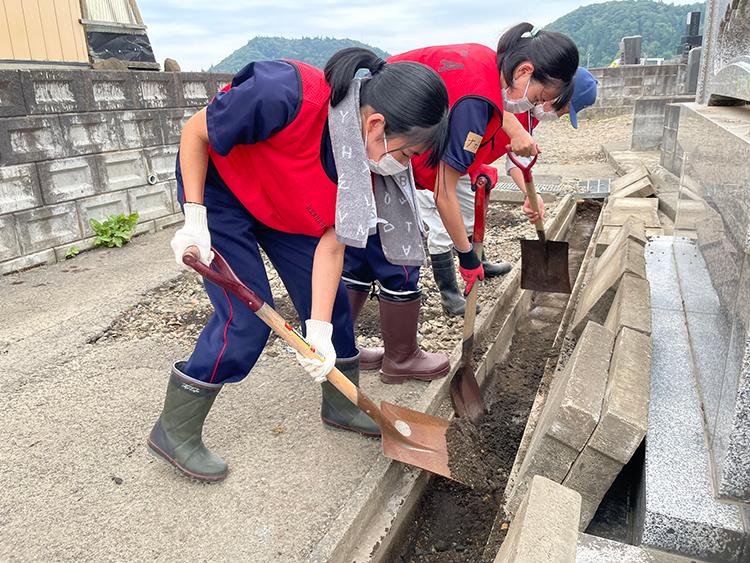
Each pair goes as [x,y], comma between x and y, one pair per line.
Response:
[77,483]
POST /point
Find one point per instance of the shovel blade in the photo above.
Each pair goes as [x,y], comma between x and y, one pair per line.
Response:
[544,266]
[466,397]
[419,441]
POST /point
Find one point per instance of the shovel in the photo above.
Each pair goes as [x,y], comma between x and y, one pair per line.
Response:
[464,390]
[408,436]
[544,263]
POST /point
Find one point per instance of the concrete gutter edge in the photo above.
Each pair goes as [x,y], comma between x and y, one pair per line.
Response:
[379,510]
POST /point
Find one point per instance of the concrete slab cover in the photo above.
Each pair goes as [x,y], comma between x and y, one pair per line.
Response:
[632,306]
[570,414]
[637,173]
[622,424]
[634,228]
[545,529]
[597,297]
[617,211]
[641,188]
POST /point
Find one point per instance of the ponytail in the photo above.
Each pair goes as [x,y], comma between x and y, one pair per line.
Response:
[411,97]
[553,54]
[343,66]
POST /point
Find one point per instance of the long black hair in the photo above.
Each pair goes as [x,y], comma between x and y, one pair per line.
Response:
[411,96]
[553,54]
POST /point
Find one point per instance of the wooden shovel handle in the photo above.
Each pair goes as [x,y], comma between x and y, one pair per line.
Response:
[530,189]
[226,278]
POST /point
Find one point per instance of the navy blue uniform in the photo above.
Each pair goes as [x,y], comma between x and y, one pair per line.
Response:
[234,337]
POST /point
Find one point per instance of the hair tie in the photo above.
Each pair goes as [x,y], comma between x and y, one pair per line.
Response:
[531,33]
[377,65]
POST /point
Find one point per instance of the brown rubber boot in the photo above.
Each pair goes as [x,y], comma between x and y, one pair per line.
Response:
[403,358]
[369,358]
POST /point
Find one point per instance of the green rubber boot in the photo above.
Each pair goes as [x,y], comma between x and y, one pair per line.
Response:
[176,436]
[340,412]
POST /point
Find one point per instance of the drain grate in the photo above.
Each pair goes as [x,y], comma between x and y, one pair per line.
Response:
[594,189]
[547,188]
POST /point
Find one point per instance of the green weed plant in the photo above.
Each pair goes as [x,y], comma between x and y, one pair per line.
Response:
[115,230]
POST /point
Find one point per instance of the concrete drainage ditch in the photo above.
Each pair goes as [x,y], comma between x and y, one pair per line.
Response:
[401,514]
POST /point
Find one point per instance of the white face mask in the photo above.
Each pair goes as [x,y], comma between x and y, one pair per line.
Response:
[520,105]
[542,115]
[386,166]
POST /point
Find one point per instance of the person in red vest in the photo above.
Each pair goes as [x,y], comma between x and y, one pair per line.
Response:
[486,87]
[296,161]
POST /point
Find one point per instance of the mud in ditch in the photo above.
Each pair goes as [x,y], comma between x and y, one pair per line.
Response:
[454,523]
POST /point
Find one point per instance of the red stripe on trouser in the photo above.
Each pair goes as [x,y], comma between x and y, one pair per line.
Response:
[231,314]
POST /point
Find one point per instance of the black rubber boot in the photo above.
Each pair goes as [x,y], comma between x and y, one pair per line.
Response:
[176,436]
[444,272]
[338,411]
[494,270]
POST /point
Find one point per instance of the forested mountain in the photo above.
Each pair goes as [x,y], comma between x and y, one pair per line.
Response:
[314,51]
[598,29]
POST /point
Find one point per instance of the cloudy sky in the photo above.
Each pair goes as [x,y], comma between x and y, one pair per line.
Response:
[199,33]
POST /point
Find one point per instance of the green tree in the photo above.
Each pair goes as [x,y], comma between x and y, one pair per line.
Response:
[597,29]
[314,51]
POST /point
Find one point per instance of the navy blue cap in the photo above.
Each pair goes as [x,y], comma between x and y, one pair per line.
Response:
[584,94]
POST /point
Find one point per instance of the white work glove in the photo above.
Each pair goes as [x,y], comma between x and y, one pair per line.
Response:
[319,336]
[194,233]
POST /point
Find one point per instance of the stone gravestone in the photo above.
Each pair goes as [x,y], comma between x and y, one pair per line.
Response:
[725,70]
[630,50]
[692,39]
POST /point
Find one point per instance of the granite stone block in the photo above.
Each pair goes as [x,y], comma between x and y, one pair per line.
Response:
[89,133]
[139,129]
[122,170]
[661,273]
[593,549]
[617,211]
[56,91]
[11,94]
[68,179]
[46,227]
[570,414]
[151,202]
[30,139]
[9,245]
[100,207]
[631,307]
[621,427]
[599,294]
[161,161]
[19,188]
[676,508]
[545,528]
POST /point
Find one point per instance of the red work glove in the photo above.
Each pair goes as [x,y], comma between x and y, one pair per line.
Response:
[490,172]
[470,267]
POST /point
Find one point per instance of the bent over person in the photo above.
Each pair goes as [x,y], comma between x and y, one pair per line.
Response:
[263,167]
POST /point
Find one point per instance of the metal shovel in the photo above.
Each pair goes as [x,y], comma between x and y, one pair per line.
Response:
[544,263]
[408,436]
[465,394]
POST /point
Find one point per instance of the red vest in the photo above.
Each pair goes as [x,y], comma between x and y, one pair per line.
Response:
[281,180]
[469,70]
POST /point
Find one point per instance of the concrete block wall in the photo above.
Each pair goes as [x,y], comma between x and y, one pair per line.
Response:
[619,87]
[81,144]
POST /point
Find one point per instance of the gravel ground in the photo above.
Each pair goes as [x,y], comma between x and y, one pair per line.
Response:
[176,312]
